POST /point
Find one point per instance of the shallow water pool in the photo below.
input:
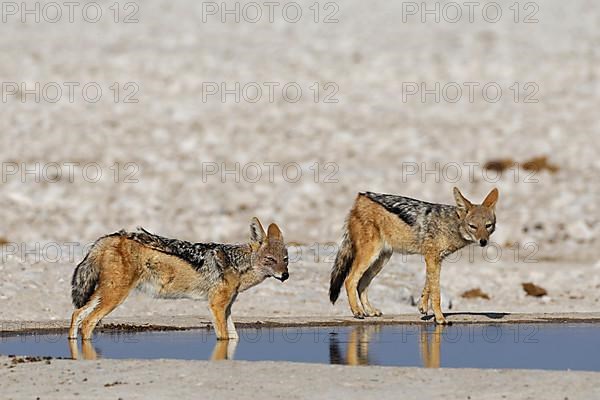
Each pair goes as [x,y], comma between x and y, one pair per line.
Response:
[534,346]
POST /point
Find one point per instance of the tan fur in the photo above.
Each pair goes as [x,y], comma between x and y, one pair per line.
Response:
[125,264]
[375,233]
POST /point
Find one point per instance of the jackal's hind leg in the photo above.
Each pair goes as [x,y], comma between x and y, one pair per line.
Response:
[108,300]
[365,281]
[80,314]
[366,255]
[370,311]
[75,322]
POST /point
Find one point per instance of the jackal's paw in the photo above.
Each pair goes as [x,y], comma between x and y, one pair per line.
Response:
[233,335]
[359,315]
[423,308]
[441,321]
[374,313]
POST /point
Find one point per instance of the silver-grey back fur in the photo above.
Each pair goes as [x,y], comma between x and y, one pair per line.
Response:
[210,259]
[237,256]
[426,219]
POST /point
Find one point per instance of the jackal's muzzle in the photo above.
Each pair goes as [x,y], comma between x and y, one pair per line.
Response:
[284,276]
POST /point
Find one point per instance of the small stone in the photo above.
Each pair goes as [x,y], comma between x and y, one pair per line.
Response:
[475,293]
[534,290]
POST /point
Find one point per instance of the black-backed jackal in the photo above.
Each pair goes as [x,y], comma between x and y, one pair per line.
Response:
[381,224]
[169,268]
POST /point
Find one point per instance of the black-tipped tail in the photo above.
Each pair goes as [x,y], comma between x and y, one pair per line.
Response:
[341,266]
[84,281]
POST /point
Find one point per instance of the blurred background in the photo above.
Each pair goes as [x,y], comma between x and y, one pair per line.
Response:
[189,118]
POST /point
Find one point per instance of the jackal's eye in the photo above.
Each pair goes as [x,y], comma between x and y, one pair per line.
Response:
[270,260]
[488,226]
[472,226]
[285,259]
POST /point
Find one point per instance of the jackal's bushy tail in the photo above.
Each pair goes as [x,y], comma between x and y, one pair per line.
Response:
[342,265]
[84,280]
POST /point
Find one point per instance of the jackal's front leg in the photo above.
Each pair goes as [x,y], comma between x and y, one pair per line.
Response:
[220,307]
[434,266]
[231,331]
[424,301]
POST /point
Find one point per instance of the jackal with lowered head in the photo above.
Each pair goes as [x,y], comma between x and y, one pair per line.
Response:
[170,268]
[380,224]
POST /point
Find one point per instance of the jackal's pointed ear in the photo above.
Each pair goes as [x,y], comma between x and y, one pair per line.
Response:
[462,203]
[257,232]
[491,199]
[274,233]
